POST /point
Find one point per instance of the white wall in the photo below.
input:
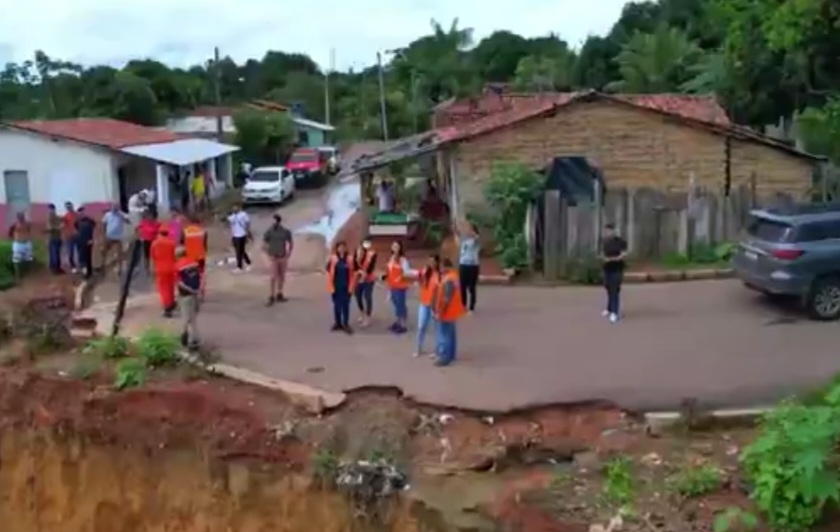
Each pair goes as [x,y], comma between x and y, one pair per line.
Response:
[58,171]
[199,124]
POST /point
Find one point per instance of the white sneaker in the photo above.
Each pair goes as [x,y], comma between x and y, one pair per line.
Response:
[237,270]
[613,318]
[605,313]
[247,269]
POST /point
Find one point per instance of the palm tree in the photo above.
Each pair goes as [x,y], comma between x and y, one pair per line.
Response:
[655,62]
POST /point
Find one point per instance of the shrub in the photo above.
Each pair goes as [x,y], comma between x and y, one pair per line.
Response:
[510,192]
[158,348]
[109,347]
[131,372]
[698,480]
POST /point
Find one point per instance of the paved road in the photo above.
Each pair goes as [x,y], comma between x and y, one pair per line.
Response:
[711,340]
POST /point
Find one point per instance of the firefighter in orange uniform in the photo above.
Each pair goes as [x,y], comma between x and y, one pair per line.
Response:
[341,279]
[195,247]
[162,253]
[449,308]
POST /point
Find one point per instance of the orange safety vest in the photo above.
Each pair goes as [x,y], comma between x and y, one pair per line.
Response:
[185,263]
[427,289]
[162,254]
[395,278]
[194,245]
[351,287]
[365,262]
[455,310]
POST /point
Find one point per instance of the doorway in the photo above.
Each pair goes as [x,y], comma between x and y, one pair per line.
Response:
[122,187]
[16,184]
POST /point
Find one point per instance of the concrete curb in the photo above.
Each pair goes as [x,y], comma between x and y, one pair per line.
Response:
[679,275]
[664,420]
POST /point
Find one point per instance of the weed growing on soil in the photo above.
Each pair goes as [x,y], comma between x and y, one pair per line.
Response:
[735,520]
[618,484]
[131,372]
[109,347]
[792,463]
[325,466]
[86,366]
[697,480]
[158,348]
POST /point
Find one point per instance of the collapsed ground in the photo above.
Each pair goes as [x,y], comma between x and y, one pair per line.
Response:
[562,469]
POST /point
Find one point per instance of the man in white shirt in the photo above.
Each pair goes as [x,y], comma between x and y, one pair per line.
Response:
[137,205]
[240,234]
[385,195]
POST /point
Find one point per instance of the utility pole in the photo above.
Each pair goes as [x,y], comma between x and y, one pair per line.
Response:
[217,75]
[383,112]
[329,71]
[414,100]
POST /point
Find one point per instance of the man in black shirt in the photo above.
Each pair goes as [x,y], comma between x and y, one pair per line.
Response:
[613,253]
[85,232]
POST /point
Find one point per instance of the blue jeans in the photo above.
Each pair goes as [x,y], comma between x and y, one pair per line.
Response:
[54,254]
[364,298]
[612,283]
[447,342]
[425,319]
[71,246]
[341,308]
[398,300]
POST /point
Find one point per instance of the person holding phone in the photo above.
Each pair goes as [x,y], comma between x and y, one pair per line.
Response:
[613,254]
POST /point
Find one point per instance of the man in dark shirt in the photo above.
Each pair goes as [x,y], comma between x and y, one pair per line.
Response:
[189,289]
[85,229]
[613,253]
[277,245]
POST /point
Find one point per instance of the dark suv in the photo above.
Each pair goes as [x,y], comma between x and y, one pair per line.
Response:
[794,251]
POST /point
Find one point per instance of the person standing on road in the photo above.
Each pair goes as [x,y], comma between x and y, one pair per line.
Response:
[163,260]
[240,233]
[147,231]
[21,234]
[54,240]
[341,279]
[195,246]
[429,279]
[397,279]
[189,292]
[449,308]
[365,263]
[613,254]
[468,262]
[85,233]
[277,246]
[114,222]
[71,244]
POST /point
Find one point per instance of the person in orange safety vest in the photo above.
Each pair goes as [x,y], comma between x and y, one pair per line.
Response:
[448,308]
[189,290]
[428,281]
[341,282]
[195,247]
[398,278]
[162,254]
[365,264]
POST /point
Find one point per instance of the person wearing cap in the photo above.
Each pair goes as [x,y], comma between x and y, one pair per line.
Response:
[189,292]
[162,252]
[277,246]
[365,264]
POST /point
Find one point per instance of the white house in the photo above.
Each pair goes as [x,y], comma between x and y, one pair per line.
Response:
[94,162]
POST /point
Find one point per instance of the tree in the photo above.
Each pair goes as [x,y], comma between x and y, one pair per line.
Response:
[263,135]
[655,62]
[538,73]
[133,100]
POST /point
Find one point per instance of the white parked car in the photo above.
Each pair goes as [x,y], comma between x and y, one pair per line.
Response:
[268,184]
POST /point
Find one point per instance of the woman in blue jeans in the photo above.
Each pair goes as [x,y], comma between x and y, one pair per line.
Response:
[428,282]
[397,277]
[365,264]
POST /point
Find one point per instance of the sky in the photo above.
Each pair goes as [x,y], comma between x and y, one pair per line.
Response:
[184,32]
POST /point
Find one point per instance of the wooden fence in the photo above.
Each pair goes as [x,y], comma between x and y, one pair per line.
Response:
[654,223]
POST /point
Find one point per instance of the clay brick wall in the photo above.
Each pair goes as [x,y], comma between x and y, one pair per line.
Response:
[634,148]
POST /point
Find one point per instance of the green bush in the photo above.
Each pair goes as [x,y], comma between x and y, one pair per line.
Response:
[7,276]
[158,348]
[585,270]
[509,192]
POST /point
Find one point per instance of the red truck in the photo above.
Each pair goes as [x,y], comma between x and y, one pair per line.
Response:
[308,166]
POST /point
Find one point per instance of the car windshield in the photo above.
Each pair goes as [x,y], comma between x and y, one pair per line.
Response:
[264,176]
[303,157]
[769,230]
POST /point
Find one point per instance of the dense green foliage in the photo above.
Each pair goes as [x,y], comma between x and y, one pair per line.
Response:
[765,59]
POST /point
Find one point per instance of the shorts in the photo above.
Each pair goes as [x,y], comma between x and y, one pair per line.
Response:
[21,252]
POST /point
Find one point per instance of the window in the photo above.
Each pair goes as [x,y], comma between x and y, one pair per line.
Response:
[817,231]
[264,176]
[769,230]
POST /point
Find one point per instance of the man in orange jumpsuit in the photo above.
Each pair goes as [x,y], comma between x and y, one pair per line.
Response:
[195,247]
[163,258]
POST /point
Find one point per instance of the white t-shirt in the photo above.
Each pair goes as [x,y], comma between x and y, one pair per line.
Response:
[385,194]
[239,224]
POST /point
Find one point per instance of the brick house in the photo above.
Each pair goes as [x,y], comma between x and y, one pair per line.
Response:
[637,141]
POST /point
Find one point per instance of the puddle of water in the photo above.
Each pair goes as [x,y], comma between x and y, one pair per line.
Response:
[343,199]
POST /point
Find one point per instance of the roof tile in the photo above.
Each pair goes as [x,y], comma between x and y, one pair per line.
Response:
[106,132]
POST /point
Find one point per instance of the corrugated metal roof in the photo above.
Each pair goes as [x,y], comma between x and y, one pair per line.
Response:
[181,152]
[312,124]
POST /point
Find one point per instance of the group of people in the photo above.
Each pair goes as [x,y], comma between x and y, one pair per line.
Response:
[446,292]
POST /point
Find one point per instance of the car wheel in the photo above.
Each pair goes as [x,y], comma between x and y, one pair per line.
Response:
[824,302]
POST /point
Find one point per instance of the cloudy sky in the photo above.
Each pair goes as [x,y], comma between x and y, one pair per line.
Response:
[182,32]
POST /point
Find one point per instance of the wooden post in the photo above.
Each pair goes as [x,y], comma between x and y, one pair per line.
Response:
[597,195]
[753,190]
[551,234]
